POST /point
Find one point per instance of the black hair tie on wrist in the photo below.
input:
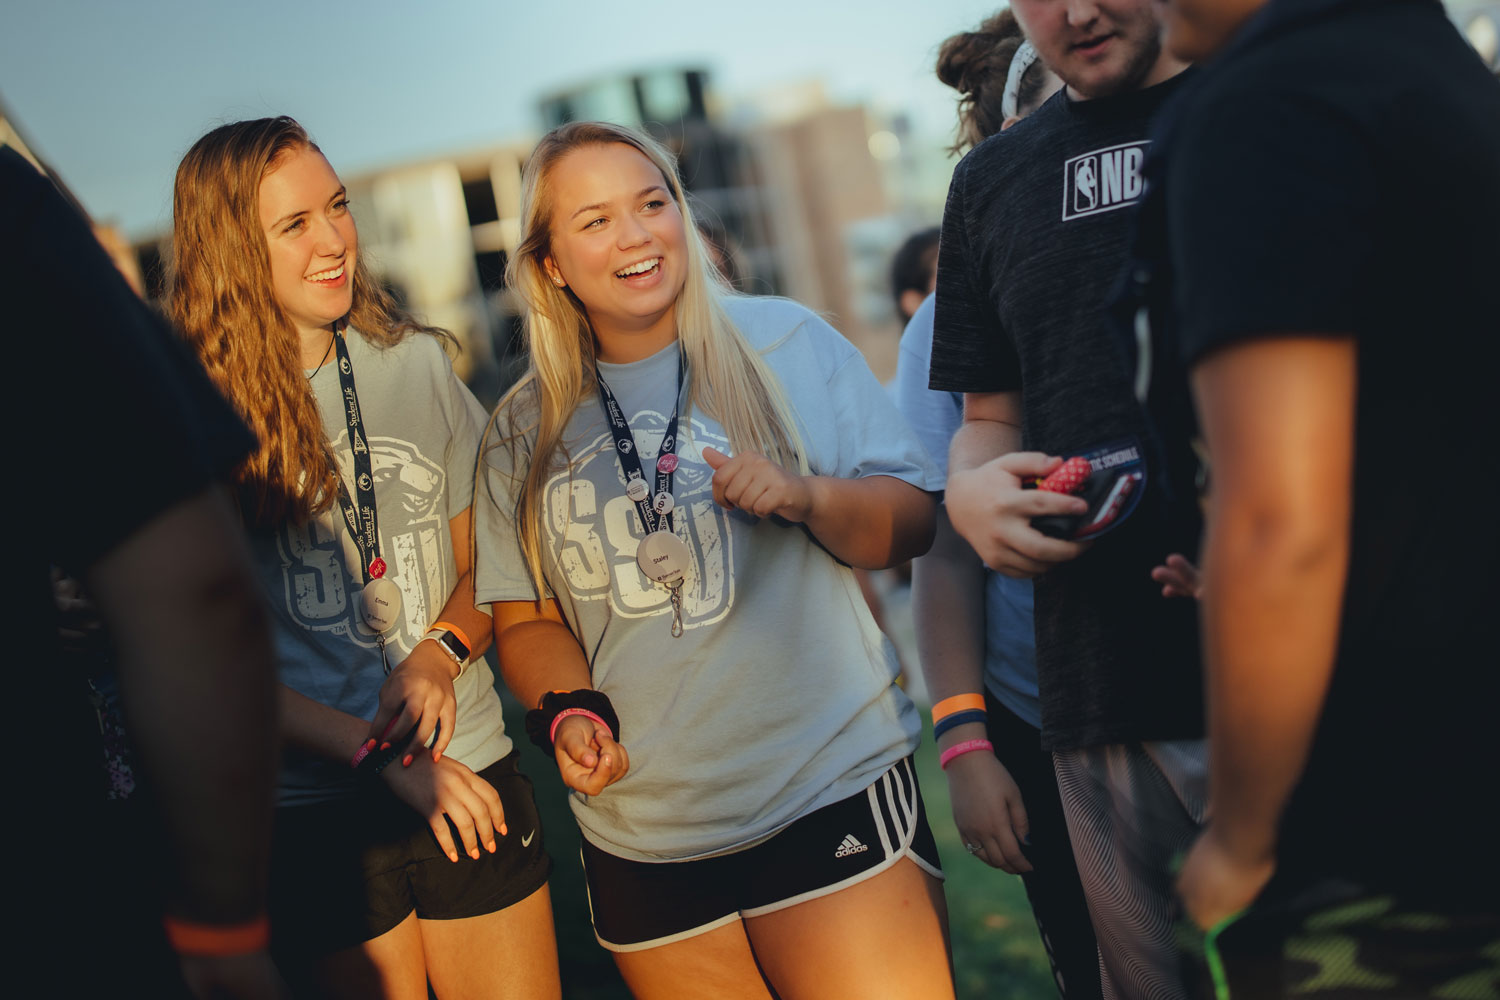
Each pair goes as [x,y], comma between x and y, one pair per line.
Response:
[539,720]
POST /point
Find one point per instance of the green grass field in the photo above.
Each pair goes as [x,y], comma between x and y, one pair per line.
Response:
[996,950]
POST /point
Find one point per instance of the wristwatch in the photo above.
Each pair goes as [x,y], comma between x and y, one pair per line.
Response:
[452,645]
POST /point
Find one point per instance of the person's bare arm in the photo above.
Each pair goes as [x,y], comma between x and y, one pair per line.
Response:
[947,593]
[539,654]
[180,598]
[1278,418]
[985,500]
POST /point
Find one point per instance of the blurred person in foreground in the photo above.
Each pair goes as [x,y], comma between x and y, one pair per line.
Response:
[1034,235]
[128,453]
[1317,260]
[395,865]
[974,627]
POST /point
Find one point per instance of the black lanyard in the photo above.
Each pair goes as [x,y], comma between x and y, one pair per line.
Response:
[629,454]
[361,521]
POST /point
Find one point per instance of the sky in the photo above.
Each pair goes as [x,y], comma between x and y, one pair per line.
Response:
[112,93]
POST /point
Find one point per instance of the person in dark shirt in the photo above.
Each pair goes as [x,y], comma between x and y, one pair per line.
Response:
[125,454]
[1317,260]
[1034,235]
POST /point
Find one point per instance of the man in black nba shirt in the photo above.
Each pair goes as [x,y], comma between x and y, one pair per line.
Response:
[1034,236]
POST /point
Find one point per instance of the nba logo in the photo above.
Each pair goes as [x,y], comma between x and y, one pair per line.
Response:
[1103,180]
[1085,185]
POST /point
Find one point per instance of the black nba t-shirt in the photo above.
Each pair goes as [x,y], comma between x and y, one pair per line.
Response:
[1034,237]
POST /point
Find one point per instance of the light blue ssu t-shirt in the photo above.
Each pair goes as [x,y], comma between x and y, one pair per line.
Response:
[779,698]
[1009,637]
[423,428]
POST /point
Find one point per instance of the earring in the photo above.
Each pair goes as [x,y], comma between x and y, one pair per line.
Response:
[559,282]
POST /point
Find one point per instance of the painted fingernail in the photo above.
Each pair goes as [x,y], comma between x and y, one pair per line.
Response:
[370,744]
[385,746]
[503,832]
[406,761]
[490,846]
[437,755]
[453,856]
[474,854]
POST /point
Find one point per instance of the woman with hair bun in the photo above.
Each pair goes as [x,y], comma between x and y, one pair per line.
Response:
[676,493]
[406,847]
[995,88]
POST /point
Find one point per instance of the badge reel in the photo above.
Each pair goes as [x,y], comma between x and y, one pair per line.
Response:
[380,604]
[664,558]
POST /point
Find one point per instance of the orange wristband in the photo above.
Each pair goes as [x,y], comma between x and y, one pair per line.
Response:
[957,703]
[218,940]
[462,635]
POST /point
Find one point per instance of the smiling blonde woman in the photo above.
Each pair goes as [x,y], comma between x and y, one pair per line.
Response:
[676,493]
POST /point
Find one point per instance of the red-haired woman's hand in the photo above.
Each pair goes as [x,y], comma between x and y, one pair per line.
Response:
[443,790]
[419,692]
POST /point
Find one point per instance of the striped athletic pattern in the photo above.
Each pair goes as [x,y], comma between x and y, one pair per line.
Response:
[1131,809]
[893,803]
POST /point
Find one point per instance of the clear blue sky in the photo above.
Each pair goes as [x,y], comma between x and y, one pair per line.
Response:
[112,93]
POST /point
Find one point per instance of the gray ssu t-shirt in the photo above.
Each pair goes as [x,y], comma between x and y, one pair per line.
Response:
[779,698]
[423,427]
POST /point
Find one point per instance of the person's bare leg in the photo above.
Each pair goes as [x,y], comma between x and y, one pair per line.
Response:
[718,965]
[510,954]
[884,937]
[389,967]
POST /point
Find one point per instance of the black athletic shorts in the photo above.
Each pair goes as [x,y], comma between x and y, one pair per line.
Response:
[347,871]
[638,905]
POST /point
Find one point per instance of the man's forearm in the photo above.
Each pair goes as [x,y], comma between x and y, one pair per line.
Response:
[1275,558]
[181,600]
[980,440]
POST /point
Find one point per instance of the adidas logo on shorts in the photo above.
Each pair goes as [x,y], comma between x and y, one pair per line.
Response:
[851,845]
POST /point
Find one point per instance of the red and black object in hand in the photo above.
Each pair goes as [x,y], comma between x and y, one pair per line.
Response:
[1106,489]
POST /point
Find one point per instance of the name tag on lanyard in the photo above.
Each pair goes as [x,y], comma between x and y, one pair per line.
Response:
[661,555]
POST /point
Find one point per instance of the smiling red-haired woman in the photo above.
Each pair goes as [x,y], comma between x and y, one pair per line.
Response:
[407,848]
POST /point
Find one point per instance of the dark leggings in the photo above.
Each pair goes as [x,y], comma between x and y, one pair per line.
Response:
[1052,885]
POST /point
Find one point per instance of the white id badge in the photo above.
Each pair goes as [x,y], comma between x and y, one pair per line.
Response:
[380,604]
[663,557]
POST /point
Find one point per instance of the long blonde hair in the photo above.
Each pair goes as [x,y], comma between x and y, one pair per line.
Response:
[222,303]
[725,376]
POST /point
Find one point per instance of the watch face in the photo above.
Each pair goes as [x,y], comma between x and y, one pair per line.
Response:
[455,645]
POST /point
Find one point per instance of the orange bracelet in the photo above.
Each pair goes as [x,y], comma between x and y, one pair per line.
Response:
[462,636]
[957,703]
[218,940]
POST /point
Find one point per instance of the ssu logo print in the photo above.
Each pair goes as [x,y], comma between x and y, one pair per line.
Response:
[1103,180]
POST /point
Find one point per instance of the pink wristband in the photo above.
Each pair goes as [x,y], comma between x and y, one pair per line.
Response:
[552,733]
[361,753]
[959,749]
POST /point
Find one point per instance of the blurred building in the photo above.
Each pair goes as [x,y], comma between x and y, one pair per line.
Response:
[438,234]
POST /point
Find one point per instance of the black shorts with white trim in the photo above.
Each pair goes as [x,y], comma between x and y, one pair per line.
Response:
[638,905]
